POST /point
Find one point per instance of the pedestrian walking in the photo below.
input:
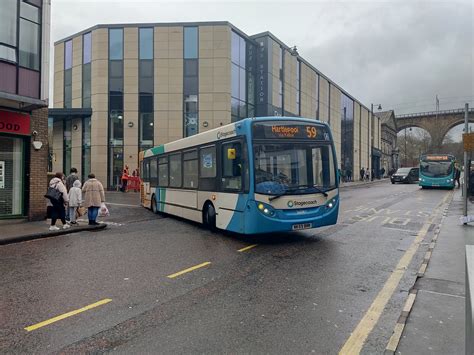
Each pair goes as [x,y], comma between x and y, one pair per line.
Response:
[94,196]
[457,175]
[125,176]
[75,200]
[349,175]
[382,172]
[372,173]
[362,174]
[69,183]
[56,208]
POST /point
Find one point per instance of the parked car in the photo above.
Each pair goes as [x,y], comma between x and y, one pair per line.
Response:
[405,175]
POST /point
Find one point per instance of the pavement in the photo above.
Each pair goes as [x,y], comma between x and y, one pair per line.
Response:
[436,322]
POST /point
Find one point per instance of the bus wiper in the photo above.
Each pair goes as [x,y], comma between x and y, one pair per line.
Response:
[301,187]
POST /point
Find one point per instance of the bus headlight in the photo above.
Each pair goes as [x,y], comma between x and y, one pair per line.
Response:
[331,204]
[449,180]
[265,209]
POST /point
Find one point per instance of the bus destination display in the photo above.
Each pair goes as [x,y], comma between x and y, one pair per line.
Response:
[436,158]
[269,130]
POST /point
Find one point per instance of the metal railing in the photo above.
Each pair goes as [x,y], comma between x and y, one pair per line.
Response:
[434,113]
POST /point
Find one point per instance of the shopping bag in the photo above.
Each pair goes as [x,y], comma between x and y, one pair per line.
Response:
[81,211]
[103,211]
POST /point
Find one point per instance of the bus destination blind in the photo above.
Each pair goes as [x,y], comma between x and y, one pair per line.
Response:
[290,131]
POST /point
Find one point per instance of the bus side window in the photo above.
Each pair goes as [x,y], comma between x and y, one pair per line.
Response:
[153,172]
[163,172]
[190,169]
[175,170]
[232,166]
[207,168]
[146,168]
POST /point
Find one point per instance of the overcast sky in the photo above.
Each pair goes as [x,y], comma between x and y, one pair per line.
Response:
[400,54]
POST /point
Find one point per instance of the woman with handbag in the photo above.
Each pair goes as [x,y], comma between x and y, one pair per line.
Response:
[56,206]
[94,196]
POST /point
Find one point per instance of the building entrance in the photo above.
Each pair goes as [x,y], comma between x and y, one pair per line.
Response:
[12,175]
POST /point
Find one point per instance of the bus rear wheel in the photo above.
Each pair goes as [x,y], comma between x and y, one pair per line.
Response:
[209,217]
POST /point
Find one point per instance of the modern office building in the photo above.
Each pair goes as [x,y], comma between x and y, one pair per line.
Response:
[24,71]
[122,88]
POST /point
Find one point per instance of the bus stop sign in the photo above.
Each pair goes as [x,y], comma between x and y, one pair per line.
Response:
[468,142]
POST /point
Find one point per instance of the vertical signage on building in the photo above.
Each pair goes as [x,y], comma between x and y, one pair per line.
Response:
[2,174]
[262,76]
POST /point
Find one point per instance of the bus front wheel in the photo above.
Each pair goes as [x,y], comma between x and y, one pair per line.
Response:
[210,217]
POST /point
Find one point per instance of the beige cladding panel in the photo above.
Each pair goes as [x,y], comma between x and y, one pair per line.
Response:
[130,77]
[356,146]
[130,43]
[59,57]
[58,89]
[99,145]
[99,77]
[100,44]
[77,86]
[323,99]
[175,38]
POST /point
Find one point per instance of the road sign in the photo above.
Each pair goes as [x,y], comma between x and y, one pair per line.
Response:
[468,142]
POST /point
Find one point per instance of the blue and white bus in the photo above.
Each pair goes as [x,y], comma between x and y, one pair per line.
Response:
[437,170]
[257,175]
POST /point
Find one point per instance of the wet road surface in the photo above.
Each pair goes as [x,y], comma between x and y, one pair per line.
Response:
[167,285]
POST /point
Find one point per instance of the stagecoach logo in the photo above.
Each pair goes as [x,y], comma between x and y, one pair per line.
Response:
[301,203]
[221,135]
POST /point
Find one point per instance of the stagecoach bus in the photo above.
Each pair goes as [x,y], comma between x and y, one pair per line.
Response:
[437,170]
[257,175]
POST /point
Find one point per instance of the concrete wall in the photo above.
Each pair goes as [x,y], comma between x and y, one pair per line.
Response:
[335,119]
[323,99]
[290,84]
[308,91]
[356,147]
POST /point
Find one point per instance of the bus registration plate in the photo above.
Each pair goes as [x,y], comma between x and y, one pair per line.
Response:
[297,227]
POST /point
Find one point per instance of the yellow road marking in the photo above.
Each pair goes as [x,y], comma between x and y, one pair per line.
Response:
[357,339]
[67,315]
[395,338]
[172,276]
[247,248]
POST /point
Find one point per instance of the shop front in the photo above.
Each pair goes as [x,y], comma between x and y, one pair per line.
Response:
[14,138]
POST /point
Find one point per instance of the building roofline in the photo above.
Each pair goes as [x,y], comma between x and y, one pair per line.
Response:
[213,23]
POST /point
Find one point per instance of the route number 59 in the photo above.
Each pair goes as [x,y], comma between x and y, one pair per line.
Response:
[311,132]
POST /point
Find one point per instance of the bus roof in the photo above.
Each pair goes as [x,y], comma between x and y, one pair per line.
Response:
[230,130]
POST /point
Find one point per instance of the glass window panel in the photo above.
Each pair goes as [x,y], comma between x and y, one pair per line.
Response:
[116,69]
[87,48]
[190,106]
[190,85]
[8,20]
[86,147]
[190,42]
[67,55]
[7,53]
[242,84]
[116,43]
[234,105]
[68,77]
[29,12]
[116,127]
[11,176]
[190,68]
[242,52]
[189,155]
[29,45]
[115,85]
[146,68]
[235,51]
[116,167]
[146,85]
[190,173]
[146,128]
[146,103]
[251,110]
[242,109]
[191,122]
[163,174]
[235,81]
[175,170]
[208,162]
[146,43]
[116,102]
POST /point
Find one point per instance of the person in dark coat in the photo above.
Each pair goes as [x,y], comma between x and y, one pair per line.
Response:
[362,174]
